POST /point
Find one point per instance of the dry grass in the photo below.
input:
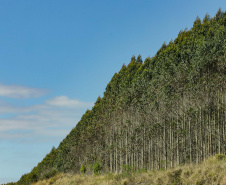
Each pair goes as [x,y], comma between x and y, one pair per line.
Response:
[211,171]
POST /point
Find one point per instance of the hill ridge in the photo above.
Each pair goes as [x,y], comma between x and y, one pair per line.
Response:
[165,111]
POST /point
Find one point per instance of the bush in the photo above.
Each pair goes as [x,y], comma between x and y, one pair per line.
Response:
[83,169]
[127,168]
[175,177]
[97,168]
[143,170]
[50,173]
[221,157]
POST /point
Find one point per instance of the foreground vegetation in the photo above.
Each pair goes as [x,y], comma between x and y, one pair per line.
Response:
[211,171]
[157,114]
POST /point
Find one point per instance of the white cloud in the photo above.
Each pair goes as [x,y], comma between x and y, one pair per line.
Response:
[64,101]
[53,118]
[16,91]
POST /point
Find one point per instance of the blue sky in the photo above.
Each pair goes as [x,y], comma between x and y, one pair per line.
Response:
[56,58]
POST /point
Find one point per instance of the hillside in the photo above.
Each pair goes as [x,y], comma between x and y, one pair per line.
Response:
[157,114]
[211,171]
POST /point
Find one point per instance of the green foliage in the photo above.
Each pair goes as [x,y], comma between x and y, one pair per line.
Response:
[142,170]
[50,173]
[192,64]
[126,168]
[97,168]
[83,169]
[175,177]
[220,157]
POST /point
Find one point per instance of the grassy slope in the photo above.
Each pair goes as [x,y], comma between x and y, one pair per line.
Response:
[211,171]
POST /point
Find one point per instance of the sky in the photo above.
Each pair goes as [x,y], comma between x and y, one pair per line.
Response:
[57,57]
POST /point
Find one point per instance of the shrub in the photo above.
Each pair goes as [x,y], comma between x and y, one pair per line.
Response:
[175,177]
[83,169]
[143,170]
[97,168]
[127,168]
[50,173]
[221,157]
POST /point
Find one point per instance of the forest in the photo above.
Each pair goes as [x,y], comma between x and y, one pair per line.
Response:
[158,113]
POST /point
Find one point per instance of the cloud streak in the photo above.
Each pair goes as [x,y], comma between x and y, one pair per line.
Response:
[63,101]
[55,117]
[20,92]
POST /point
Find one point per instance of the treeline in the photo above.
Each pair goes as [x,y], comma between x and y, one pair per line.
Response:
[165,111]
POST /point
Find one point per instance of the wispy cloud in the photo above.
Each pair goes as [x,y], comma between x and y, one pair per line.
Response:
[16,91]
[63,101]
[55,117]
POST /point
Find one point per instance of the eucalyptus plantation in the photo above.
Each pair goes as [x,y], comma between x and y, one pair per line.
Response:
[157,114]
